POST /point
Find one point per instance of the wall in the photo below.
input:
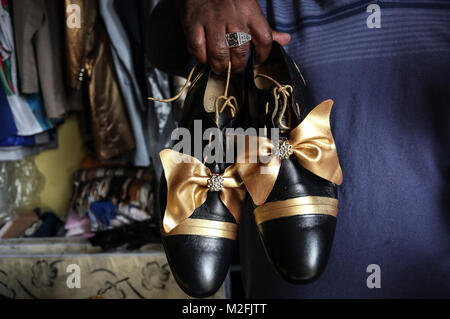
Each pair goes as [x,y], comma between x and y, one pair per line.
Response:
[58,166]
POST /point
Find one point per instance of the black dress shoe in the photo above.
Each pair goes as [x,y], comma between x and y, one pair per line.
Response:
[200,200]
[296,215]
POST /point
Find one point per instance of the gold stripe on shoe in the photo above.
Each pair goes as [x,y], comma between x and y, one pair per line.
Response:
[308,205]
[204,227]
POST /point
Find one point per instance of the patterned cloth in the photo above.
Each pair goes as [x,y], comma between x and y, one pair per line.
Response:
[112,197]
[39,269]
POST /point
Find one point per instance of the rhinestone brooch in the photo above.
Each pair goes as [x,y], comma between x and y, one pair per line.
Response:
[215,183]
[285,150]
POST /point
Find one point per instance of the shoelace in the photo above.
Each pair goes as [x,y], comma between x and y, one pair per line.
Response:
[285,93]
[229,102]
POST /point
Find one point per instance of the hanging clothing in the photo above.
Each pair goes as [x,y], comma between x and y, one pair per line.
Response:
[19,153]
[79,43]
[39,34]
[29,116]
[110,125]
[8,126]
[89,60]
[161,117]
[123,62]
[17,147]
[129,16]
[33,140]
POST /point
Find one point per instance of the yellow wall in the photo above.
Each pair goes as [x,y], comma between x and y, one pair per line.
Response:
[58,166]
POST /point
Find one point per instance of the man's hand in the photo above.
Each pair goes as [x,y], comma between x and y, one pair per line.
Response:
[206,22]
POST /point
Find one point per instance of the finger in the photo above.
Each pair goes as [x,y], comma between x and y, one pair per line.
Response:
[261,38]
[281,37]
[217,50]
[196,43]
[238,55]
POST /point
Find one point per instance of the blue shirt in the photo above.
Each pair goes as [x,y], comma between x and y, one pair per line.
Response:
[387,67]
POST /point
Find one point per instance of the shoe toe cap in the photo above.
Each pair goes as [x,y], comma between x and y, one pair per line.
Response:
[199,263]
[299,246]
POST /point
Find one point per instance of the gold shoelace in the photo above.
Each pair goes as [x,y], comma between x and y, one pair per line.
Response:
[229,102]
[285,94]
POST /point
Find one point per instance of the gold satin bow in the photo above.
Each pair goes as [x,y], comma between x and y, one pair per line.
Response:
[187,188]
[312,143]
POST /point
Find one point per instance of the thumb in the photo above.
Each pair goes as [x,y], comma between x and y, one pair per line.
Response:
[281,37]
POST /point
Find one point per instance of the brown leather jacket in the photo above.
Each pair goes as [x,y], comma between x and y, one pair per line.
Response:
[89,59]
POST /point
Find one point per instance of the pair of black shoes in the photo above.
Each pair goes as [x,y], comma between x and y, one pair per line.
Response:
[292,176]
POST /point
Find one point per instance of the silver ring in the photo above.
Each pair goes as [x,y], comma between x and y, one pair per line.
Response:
[236,39]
